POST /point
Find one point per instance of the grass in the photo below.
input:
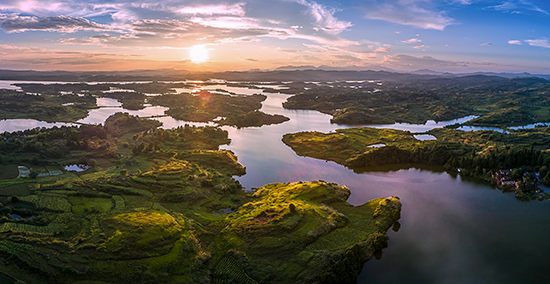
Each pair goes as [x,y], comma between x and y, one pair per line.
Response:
[26,228]
[21,188]
[543,114]
[50,203]
[356,231]
[151,216]
[81,204]
[139,230]
[273,227]
[229,269]
[133,201]
[344,143]
[8,171]
[117,189]
[285,226]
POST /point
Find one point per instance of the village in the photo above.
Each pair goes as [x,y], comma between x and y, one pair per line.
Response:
[527,185]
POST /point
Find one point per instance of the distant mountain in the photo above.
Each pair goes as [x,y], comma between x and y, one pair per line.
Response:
[334,68]
[357,68]
[427,72]
[509,75]
[296,68]
[285,73]
[178,75]
[95,76]
[313,75]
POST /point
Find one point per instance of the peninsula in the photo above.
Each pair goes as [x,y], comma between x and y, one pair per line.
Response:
[150,205]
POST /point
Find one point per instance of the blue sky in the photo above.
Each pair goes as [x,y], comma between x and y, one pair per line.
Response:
[400,35]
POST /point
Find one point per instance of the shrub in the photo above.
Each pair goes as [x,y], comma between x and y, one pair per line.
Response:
[33,174]
[292,207]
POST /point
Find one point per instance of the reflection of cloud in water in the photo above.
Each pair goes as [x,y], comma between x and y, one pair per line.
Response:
[429,125]
[169,122]
[107,102]
[424,137]
[98,116]
[11,125]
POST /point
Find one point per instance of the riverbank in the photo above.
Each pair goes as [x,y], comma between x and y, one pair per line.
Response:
[479,154]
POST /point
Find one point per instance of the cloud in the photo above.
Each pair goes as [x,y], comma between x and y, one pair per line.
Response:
[211,21]
[13,57]
[23,57]
[15,23]
[382,50]
[348,58]
[514,42]
[357,55]
[178,33]
[314,26]
[407,62]
[517,7]
[234,10]
[412,40]
[35,7]
[416,13]
[324,17]
[486,44]
[506,6]
[538,42]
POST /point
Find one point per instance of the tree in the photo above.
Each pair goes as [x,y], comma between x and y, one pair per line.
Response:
[543,171]
[479,170]
[33,174]
[516,174]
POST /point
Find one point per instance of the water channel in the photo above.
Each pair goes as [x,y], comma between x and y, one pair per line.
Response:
[453,230]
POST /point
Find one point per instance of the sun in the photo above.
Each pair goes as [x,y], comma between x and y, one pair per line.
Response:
[198,54]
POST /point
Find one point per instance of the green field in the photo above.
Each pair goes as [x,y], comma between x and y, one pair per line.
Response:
[162,206]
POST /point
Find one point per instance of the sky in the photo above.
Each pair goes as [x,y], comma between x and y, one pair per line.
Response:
[456,36]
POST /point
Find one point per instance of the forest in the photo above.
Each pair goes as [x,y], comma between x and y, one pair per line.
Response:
[70,102]
[482,154]
[67,108]
[497,101]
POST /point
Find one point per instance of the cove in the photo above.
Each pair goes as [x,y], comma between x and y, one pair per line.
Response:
[453,230]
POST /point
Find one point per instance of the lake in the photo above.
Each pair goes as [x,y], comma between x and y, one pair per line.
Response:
[453,230]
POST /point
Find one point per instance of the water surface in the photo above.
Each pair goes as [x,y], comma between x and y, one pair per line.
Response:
[452,230]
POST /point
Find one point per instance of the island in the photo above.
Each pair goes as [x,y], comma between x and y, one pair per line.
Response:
[517,160]
[236,110]
[497,101]
[153,205]
[62,108]
[70,102]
